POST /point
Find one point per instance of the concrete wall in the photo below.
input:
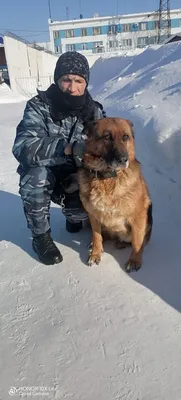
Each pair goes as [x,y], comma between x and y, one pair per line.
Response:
[28,67]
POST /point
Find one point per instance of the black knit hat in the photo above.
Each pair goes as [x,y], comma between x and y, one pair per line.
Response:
[74,63]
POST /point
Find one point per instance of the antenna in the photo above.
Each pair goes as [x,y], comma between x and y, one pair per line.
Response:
[67,13]
[80,7]
[49,7]
[117,7]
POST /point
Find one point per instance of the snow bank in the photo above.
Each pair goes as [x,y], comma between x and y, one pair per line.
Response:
[8,96]
[146,88]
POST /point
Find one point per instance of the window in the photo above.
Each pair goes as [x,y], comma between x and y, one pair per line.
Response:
[97,44]
[57,49]
[97,31]
[84,32]
[112,30]
[135,27]
[84,46]
[143,26]
[70,47]
[126,27]
[152,39]
[142,41]
[127,42]
[113,43]
[69,33]
[155,24]
[56,34]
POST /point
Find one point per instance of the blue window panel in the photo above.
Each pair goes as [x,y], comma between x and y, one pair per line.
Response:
[62,34]
[78,46]
[89,45]
[104,30]
[89,31]
[77,32]
[120,28]
[57,42]
[175,23]
[150,25]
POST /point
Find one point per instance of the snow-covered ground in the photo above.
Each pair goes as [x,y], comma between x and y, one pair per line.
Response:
[79,333]
[7,96]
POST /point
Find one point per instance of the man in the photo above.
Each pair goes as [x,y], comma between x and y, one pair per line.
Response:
[49,145]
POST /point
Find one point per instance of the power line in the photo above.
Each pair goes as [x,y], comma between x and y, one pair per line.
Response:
[36,34]
[22,30]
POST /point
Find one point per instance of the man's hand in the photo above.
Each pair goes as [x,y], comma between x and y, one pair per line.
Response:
[68,150]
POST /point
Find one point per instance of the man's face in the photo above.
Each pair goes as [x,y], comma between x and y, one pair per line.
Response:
[72,84]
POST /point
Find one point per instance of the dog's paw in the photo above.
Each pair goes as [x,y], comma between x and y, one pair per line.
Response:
[94,259]
[132,265]
[121,244]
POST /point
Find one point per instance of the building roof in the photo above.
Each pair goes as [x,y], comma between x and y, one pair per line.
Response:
[98,18]
[171,38]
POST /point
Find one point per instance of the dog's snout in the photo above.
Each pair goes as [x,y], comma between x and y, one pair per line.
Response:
[124,159]
[116,156]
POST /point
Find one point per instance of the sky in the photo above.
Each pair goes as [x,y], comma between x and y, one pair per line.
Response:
[29,18]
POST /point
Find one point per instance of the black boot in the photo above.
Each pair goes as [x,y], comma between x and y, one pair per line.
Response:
[46,249]
[73,227]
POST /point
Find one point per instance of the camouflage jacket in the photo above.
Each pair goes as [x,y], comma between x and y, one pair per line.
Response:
[40,140]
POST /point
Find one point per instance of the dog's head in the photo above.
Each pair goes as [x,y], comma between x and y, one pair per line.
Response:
[109,144]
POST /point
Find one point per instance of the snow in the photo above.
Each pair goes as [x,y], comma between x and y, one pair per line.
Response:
[8,96]
[75,332]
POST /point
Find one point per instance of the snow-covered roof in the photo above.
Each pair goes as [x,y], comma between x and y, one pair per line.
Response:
[171,37]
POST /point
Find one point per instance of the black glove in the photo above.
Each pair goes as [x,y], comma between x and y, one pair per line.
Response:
[78,150]
[70,165]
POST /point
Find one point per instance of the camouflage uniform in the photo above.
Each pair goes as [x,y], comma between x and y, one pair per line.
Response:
[39,149]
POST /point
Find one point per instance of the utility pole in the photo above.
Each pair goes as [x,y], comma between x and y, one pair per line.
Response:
[164,21]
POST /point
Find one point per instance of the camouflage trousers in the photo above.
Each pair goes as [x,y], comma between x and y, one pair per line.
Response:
[37,187]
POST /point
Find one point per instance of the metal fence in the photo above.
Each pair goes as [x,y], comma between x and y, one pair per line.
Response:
[28,85]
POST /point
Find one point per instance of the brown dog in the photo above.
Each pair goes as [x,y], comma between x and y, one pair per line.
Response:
[113,190]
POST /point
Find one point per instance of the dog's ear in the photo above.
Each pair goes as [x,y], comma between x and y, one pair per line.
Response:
[131,126]
[130,123]
[89,129]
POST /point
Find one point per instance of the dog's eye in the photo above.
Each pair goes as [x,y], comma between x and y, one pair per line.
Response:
[108,136]
[125,138]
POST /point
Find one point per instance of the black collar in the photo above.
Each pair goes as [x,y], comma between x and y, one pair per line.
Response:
[102,174]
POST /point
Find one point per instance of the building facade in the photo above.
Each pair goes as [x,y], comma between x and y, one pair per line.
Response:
[108,34]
